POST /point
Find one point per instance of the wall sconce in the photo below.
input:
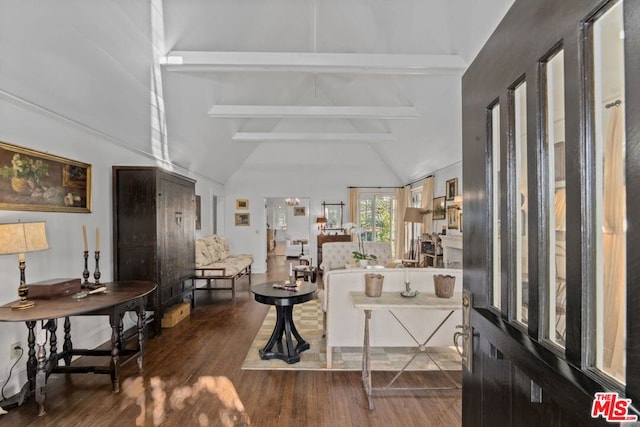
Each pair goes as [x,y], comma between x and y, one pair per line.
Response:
[20,238]
[458,201]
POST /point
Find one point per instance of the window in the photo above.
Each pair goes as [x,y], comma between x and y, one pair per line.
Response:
[377,213]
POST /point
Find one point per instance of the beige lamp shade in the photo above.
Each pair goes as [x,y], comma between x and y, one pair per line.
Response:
[22,237]
[321,220]
[413,215]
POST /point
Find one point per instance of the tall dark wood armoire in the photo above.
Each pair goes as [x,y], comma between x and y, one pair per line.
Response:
[154,232]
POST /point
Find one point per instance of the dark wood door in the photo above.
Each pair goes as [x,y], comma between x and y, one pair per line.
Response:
[550,326]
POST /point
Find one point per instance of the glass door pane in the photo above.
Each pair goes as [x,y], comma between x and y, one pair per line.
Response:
[522,268]
[608,67]
[556,197]
[495,208]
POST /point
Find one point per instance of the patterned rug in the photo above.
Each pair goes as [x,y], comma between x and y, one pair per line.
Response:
[308,320]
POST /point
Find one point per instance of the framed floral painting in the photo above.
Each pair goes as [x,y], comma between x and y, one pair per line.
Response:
[31,180]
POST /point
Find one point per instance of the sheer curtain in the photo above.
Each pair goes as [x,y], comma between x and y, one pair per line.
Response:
[403,196]
[354,206]
[614,246]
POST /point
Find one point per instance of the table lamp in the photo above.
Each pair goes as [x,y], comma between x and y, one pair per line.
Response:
[413,215]
[20,238]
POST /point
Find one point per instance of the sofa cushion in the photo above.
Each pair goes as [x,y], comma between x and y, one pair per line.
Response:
[203,256]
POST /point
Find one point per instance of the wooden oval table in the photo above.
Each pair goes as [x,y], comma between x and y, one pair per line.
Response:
[284,300]
[119,298]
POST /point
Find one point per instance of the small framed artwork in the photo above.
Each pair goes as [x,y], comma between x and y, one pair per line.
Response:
[299,211]
[452,218]
[242,204]
[439,211]
[451,188]
[198,208]
[242,220]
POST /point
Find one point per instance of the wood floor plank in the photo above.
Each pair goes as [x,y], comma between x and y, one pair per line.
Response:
[193,377]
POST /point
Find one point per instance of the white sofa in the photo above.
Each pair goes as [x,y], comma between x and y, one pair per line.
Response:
[296,249]
[345,324]
[335,255]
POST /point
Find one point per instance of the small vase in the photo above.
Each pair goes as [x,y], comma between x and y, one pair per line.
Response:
[364,263]
[20,185]
[444,285]
[373,284]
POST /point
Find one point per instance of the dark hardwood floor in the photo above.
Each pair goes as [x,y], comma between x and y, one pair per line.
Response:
[193,377]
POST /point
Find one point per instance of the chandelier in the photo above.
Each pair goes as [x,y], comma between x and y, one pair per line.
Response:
[292,201]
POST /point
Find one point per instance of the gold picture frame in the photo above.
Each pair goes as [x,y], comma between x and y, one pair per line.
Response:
[451,189]
[242,219]
[32,180]
[439,208]
[453,222]
[242,204]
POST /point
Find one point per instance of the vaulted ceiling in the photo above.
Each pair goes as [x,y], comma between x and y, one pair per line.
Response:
[313,76]
[254,84]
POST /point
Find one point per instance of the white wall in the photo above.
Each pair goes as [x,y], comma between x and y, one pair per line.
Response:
[54,53]
[320,176]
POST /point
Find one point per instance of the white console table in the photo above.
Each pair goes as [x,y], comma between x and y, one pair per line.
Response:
[394,301]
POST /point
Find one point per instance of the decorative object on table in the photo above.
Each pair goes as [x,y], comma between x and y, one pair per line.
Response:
[242,219]
[96,274]
[43,182]
[320,222]
[408,292]
[444,285]
[85,272]
[20,238]
[413,215]
[53,288]
[373,284]
[361,256]
[451,188]
[292,279]
[242,204]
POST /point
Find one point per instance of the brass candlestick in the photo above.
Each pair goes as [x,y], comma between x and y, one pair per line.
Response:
[96,274]
[85,273]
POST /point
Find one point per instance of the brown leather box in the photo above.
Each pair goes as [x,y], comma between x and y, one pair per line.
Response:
[53,288]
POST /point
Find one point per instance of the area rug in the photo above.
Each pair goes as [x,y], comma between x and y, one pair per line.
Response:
[308,320]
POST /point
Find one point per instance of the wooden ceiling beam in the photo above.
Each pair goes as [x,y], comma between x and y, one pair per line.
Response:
[362,63]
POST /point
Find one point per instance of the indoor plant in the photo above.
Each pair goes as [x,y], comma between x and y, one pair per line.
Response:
[361,256]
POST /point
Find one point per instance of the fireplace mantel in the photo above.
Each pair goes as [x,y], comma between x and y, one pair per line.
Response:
[452,251]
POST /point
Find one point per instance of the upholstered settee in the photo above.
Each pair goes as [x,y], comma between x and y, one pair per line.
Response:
[336,255]
[295,248]
[345,324]
[214,261]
